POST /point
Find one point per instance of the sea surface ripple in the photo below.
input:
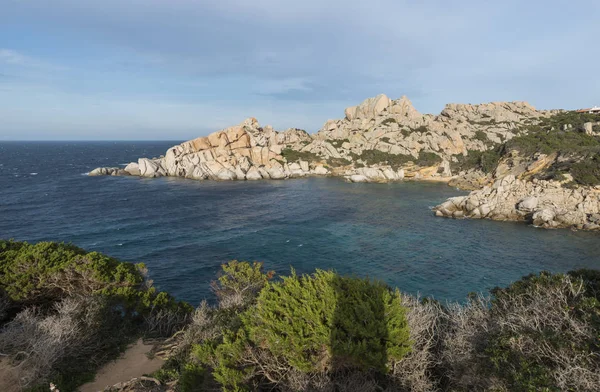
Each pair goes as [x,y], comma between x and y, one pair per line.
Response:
[183,230]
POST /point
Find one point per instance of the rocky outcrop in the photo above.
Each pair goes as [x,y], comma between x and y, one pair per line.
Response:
[392,128]
[545,204]
[376,174]
[109,171]
[243,152]
[396,127]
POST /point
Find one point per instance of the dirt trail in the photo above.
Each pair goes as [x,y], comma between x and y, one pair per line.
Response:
[9,381]
[133,363]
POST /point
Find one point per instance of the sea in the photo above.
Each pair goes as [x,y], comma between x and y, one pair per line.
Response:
[183,230]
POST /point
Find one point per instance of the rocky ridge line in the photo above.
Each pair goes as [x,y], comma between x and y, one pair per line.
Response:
[345,147]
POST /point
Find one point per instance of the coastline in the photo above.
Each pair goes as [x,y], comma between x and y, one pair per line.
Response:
[470,147]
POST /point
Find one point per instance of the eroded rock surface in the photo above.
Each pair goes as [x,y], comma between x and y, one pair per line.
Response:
[243,152]
[546,204]
[380,139]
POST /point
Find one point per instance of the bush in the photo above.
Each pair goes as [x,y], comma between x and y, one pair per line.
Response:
[481,136]
[293,155]
[587,172]
[377,157]
[548,136]
[240,283]
[72,310]
[486,161]
[337,162]
[339,324]
[540,333]
[421,129]
[44,273]
[352,322]
[319,332]
[428,159]
[64,345]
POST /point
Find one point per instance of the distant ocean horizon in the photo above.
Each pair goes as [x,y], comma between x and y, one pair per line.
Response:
[183,229]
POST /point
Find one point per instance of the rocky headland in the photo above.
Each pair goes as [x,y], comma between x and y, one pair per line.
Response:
[508,153]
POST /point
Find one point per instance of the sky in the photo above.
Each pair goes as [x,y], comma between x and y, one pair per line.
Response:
[179,69]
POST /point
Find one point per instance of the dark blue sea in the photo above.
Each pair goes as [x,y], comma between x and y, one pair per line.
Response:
[183,229]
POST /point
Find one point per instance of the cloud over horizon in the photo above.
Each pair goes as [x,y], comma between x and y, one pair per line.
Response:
[153,69]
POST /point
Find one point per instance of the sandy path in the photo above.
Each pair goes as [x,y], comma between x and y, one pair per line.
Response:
[133,363]
[9,381]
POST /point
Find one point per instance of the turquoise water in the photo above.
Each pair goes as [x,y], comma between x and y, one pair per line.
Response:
[183,230]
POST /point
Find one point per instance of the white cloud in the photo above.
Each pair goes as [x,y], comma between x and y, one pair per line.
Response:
[12,57]
[19,60]
[295,63]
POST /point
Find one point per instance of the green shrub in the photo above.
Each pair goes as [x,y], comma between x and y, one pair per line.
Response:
[428,159]
[540,320]
[337,142]
[486,161]
[337,162]
[385,139]
[548,136]
[377,157]
[44,273]
[292,155]
[587,172]
[481,136]
[239,283]
[311,324]
[580,152]
[389,121]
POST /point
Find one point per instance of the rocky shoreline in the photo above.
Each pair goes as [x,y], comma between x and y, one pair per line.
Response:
[545,204]
[473,147]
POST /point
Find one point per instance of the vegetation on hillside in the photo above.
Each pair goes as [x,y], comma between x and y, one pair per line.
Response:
[486,161]
[562,133]
[316,332]
[292,155]
[378,157]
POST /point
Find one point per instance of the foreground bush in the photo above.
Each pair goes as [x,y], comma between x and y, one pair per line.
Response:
[310,332]
[64,311]
[541,333]
[323,332]
[318,332]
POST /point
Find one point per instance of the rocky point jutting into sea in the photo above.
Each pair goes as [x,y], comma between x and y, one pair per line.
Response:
[522,164]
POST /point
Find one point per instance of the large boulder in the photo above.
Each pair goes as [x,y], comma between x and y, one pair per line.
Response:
[149,168]
[133,168]
[528,204]
[369,108]
[358,178]
[253,174]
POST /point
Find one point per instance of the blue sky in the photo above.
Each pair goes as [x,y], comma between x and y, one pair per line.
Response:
[177,69]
